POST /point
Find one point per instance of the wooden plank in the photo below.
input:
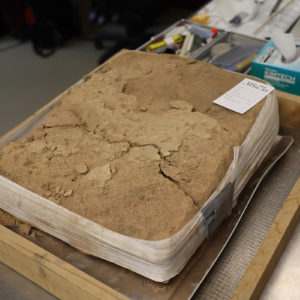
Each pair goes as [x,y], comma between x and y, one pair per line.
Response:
[50,272]
[267,256]
[289,110]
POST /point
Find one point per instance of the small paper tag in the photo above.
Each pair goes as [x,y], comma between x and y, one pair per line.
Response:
[244,96]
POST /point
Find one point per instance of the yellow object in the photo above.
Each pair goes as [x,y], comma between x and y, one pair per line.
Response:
[201,18]
[177,39]
[245,63]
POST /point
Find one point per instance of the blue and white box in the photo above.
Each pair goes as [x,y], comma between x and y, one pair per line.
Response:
[270,66]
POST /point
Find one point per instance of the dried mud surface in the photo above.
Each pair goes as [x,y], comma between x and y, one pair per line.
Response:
[138,148]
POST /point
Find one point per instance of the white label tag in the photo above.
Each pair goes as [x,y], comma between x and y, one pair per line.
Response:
[244,96]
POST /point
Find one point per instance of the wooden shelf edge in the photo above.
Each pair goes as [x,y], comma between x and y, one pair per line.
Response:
[289,110]
[268,254]
[50,272]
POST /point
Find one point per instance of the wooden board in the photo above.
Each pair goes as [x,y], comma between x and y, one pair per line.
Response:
[268,254]
[289,109]
[50,272]
[67,282]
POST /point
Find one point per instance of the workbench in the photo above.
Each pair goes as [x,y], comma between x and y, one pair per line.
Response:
[67,279]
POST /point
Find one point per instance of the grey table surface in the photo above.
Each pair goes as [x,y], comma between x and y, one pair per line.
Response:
[284,283]
[14,286]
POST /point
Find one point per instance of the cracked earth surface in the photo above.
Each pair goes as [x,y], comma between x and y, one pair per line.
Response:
[138,148]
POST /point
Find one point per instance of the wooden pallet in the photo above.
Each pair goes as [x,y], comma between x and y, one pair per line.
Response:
[68,282]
